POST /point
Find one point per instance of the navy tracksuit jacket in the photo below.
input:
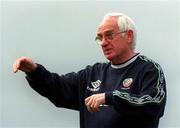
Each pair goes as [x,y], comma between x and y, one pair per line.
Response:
[135,92]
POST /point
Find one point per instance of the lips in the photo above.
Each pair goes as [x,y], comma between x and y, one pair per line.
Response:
[107,51]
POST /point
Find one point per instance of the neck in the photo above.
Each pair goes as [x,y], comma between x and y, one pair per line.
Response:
[123,58]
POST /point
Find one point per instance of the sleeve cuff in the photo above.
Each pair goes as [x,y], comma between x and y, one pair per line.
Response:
[35,74]
[108,98]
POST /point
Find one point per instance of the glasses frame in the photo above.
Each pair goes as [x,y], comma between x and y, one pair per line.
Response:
[108,36]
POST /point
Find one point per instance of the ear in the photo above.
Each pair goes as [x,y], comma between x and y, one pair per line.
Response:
[129,36]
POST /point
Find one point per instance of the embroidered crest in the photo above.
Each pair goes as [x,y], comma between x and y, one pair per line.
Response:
[127,82]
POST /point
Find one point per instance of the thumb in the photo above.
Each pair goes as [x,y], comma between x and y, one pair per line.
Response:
[15,67]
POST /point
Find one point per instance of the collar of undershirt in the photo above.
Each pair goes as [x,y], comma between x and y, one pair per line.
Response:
[126,63]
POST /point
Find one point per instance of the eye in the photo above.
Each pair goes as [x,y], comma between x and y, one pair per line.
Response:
[109,35]
[98,37]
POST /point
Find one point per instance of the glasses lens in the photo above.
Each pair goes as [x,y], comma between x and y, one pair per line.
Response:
[109,36]
[98,40]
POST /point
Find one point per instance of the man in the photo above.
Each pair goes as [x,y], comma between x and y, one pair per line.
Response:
[127,92]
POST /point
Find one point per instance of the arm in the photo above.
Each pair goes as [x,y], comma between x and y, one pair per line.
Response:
[149,102]
[62,91]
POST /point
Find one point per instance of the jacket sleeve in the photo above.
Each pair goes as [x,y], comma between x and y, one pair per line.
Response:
[149,102]
[62,90]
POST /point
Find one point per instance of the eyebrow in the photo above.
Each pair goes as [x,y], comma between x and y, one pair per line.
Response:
[107,31]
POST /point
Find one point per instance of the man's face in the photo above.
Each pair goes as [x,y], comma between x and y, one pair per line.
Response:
[114,45]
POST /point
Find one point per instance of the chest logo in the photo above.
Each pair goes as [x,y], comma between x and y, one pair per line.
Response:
[127,82]
[95,86]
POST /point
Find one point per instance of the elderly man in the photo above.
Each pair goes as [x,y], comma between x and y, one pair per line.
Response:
[128,91]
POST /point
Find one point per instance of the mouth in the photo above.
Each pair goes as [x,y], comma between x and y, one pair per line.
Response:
[107,51]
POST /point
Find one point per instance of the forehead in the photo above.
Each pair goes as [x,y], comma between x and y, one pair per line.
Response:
[109,24]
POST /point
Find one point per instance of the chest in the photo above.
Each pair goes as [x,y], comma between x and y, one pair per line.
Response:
[109,81]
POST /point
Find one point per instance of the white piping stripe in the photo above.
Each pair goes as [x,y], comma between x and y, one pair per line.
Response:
[146,98]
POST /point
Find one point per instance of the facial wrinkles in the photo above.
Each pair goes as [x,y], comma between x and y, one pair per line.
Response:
[108,25]
[109,48]
[115,52]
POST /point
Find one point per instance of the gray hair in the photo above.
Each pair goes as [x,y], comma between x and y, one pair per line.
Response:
[125,23]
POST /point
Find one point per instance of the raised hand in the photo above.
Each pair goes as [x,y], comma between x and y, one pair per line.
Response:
[24,64]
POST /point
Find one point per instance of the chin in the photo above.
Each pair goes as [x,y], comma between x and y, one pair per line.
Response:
[109,57]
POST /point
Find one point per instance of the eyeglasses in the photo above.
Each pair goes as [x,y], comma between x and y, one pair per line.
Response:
[108,36]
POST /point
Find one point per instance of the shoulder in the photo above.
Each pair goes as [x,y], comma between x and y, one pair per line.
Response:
[148,61]
[98,66]
[147,64]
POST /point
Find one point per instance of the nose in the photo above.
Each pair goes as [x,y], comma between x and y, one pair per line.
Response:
[104,42]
